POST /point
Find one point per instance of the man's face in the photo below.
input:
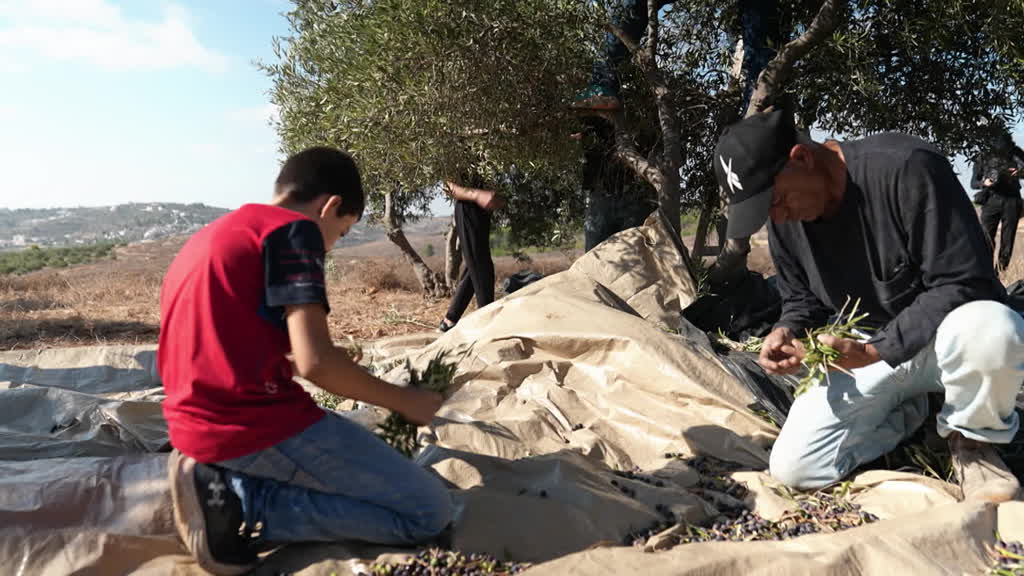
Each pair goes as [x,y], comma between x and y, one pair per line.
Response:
[800,188]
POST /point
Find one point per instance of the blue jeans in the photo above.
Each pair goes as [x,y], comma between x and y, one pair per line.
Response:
[976,360]
[630,16]
[759,29]
[338,481]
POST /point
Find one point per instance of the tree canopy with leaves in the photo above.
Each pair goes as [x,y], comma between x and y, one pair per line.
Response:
[939,69]
[425,90]
[422,90]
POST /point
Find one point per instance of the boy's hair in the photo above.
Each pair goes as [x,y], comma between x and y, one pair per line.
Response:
[322,170]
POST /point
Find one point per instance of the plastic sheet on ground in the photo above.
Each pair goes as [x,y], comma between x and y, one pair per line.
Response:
[564,389]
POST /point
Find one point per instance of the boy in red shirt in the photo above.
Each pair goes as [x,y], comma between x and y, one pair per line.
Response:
[253,452]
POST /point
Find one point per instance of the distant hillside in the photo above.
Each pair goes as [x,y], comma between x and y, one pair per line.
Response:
[365,233]
[139,222]
[122,223]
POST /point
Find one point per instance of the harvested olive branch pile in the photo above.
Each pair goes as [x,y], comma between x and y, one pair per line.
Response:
[437,562]
[820,358]
[333,402]
[766,416]
[701,276]
[399,432]
[1009,558]
[354,349]
[393,316]
[818,512]
[751,344]
[328,401]
[938,465]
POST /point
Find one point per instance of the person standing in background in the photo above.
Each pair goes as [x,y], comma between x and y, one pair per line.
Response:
[473,208]
[996,179]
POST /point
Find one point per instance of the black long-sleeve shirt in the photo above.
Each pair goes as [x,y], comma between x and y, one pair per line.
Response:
[905,240]
[994,165]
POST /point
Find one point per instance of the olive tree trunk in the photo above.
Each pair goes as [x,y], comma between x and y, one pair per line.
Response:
[430,281]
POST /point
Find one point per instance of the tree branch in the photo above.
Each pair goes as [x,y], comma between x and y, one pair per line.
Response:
[389,214]
[663,173]
[775,74]
[431,282]
[626,152]
[626,40]
[651,50]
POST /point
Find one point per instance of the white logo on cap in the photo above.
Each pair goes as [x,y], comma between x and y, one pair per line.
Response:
[730,177]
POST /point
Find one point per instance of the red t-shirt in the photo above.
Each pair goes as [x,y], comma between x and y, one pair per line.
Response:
[223,336]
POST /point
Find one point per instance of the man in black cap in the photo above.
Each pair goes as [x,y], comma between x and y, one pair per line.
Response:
[883,220]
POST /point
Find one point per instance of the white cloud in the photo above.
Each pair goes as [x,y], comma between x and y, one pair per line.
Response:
[96,32]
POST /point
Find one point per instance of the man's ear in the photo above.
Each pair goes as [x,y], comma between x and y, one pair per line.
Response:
[331,206]
[802,155]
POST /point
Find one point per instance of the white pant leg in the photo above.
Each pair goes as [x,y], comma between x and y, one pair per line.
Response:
[980,352]
[976,358]
[830,430]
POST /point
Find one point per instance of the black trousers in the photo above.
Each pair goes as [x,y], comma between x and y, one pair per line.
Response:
[473,225]
[1006,209]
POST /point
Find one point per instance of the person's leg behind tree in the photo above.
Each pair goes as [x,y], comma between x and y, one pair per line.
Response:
[463,293]
[760,30]
[476,251]
[629,16]
[1008,235]
[459,302]
[976,359]
[991,214]
[473,225]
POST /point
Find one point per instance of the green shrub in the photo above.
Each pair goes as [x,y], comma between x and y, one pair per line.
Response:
[36,258]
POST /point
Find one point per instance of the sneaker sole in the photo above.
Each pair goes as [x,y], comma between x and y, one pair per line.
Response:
[192,529]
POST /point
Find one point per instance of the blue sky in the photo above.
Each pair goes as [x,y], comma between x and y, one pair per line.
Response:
[108,101]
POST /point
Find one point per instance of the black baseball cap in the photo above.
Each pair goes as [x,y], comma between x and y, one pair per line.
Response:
[748,156]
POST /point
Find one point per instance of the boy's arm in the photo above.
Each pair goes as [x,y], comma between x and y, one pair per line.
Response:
[317,359]
[294,286]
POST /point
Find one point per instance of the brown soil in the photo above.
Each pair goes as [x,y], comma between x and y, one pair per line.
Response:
[372,292]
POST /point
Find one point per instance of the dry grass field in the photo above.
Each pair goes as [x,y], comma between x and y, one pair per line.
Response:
[372,291]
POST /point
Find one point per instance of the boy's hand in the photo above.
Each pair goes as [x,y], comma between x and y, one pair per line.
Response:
[781,353]
[419,406]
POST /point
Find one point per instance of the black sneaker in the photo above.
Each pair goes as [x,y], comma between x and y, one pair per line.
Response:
[208,516]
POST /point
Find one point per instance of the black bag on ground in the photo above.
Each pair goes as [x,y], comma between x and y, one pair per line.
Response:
[1015,296]
[519,280]
[773,395]
[745,307]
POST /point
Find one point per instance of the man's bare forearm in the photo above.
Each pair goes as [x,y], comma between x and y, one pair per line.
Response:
[461,192]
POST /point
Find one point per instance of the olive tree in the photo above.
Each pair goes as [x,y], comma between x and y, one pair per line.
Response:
[423,91]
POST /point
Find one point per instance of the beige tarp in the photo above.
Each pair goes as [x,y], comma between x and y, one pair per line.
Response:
[559,385]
